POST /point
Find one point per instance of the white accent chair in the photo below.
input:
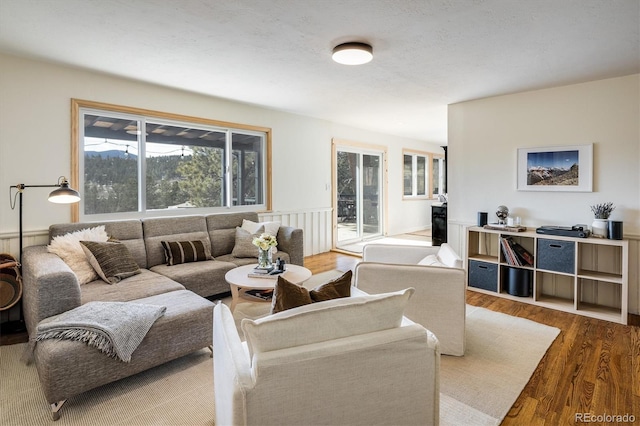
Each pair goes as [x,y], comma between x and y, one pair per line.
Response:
[438,277]
[349,361]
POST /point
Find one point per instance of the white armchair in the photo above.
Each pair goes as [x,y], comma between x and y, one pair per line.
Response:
[346,361]
[436,274]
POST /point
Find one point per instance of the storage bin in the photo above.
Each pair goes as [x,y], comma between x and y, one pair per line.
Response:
[556,255]
[517,281]
[483,275]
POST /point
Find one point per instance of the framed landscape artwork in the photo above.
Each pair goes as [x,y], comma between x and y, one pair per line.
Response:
[557,168]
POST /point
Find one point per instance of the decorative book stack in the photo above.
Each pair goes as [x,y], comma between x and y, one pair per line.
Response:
[269,272]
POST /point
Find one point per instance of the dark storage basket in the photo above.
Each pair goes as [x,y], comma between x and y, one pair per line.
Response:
[557,255]
[483,275]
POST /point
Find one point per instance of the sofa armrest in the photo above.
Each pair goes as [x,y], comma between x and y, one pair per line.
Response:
[231,369]
[290,240]
[399,254]
[50,287]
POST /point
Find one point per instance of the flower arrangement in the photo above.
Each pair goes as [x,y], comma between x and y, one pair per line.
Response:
[602,211]
[265,241]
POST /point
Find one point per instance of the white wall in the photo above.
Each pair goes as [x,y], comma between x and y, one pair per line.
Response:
[35,142]
[485,134]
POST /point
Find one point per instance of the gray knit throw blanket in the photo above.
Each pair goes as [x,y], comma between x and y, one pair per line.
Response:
[115,328]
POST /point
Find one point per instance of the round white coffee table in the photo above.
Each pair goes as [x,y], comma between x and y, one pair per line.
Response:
[240,281]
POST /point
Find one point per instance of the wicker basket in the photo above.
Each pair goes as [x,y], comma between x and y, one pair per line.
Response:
[10,281]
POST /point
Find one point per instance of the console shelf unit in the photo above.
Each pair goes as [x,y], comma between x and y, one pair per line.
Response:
[585,276]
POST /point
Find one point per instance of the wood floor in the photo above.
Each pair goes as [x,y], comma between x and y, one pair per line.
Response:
[592,368]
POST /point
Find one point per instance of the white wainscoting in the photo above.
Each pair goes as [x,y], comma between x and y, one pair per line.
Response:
[10,243]
[457,238]
[315,224]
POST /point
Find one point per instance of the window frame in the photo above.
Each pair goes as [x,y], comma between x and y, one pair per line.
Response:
[442,175]
[78,108]
[428,185]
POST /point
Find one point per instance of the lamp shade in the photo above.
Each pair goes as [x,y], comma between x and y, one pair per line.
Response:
[64,194]
[352,53]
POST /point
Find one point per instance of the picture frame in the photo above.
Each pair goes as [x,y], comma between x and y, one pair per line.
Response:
[556,168]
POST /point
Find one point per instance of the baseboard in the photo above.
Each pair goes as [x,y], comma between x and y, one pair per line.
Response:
[348,253]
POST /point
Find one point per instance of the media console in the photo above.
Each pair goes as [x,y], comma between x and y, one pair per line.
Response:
[585,276]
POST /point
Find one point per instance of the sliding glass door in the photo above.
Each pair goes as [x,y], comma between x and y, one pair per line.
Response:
[359,195]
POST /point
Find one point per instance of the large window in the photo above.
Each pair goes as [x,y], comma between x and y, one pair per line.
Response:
[134,162]
[416,176]
[423,175]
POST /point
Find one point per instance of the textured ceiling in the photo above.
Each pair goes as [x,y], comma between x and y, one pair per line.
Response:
[277,53]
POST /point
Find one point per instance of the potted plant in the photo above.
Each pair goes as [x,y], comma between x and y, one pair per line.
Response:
[600,223]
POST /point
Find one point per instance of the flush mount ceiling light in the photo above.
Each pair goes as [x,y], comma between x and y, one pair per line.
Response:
[352,53]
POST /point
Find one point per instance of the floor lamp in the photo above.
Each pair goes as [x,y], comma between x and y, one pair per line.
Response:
[62,195]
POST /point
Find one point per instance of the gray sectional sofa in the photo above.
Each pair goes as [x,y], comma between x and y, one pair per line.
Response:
[68,367]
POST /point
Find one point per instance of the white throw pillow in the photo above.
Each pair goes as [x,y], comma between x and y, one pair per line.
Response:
[431,260]
[270,228]
[69,249]
[449,257]
[323,321]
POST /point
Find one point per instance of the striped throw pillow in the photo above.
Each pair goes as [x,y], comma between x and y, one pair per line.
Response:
[112,261]
[177,252]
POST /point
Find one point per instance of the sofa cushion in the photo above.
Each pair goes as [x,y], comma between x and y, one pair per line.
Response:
[222,230]
[322,321]
[287,295]
[177,252]
[111,260]
[244,243]
[270,228]
[183,228]
[69,249]
[144,284]
[203,278]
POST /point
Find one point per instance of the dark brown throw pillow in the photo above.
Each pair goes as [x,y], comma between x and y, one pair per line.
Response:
[112,261]
[334,289]
[177,252]
[287,295]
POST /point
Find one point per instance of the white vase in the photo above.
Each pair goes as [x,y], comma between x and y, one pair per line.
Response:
[599,227]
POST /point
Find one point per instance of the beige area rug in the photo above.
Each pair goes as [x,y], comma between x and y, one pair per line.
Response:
[477,389]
